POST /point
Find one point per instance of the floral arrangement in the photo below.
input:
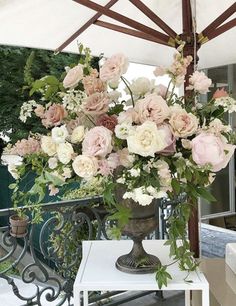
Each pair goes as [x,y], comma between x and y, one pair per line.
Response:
[162,144]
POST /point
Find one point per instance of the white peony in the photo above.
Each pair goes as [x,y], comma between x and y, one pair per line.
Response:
[146,140]
[48,146]
[65,152]
[85,166]
[59,134]
[77,134]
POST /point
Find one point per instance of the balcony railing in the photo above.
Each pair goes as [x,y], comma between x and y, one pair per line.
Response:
[49,254]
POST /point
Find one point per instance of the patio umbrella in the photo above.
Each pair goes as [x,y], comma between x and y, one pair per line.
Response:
[47,24]
[154,28]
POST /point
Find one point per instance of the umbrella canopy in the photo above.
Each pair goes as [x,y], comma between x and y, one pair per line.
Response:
[47,24]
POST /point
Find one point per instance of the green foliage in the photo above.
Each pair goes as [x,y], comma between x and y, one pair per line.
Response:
[14,84]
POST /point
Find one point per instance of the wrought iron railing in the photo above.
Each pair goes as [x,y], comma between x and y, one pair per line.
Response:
[49,254]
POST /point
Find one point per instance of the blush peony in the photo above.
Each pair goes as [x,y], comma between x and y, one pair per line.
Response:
[210,149]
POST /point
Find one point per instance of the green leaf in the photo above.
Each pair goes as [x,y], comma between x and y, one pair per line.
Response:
[55,180]
[175,185]
[12,186]
[204,193]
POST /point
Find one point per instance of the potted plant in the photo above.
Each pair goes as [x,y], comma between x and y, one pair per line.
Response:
[162,146]
[18,225]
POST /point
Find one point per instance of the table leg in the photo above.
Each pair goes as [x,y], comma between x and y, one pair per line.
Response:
[77,298]
[205,297]
[85,296]
[187,298]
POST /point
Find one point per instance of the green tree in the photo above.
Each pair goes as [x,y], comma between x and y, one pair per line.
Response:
[13,84]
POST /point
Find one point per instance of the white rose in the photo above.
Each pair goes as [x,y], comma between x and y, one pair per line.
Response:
[52,162]
[146,140]
[65,152]
[48,146]
[85,166]
[123,130]
[74,75]
[59,134]
[141,86]
[77,134]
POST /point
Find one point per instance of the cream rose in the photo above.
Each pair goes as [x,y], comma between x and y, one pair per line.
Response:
[153,108]
[74,75]
[77,134]
[65,152]
[85,166]
[146,140]
[48,145]
[183,124]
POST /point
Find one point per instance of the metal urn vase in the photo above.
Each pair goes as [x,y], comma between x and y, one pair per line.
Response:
[144,220]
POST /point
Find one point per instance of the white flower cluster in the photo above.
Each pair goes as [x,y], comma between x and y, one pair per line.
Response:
[228,103]
[72,100]
[26,110]
[144,196]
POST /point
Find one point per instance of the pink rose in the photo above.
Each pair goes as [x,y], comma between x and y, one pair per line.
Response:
[96,104]
[108,121]
[220,93]
[93,84]
[169,140]
[183,124]
[74,75]
[113,68]
[97,142]
[54,115]
[210,149]
[199,82]
[128,116]
[152,108]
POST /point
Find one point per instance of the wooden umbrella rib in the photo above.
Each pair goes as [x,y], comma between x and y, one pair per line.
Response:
[151,15]
[187,16]
[219,20]
[84,27]
[128,31]
[123,19]
[225,27]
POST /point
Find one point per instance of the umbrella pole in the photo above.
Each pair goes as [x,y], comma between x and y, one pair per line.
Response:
[190,48]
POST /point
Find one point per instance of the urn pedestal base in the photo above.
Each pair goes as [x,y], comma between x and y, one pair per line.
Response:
[138,261]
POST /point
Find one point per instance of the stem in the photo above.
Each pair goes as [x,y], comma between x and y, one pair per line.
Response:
[130,92]
[167,89]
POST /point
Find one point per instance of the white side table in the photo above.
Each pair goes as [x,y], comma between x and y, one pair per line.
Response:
[97,271]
